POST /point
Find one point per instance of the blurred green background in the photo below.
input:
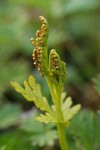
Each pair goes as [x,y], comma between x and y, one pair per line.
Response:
[75,34]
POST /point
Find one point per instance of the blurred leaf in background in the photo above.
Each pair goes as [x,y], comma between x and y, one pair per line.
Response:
[85,130]
[3,147]
[12,63]
[15,139]
[40,134]
[9,115]
[97,83]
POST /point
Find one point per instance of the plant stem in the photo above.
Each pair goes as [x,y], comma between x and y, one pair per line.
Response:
[62,137]
[61,129]
[57,101]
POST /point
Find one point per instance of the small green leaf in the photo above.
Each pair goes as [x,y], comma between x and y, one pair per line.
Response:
[63,96]
[32,92]
[47,118]
[17,87]
[66,104]
[70,112]
[32,81]
[67,110]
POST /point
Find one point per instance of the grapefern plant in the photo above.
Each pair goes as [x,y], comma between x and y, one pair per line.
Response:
[54,69]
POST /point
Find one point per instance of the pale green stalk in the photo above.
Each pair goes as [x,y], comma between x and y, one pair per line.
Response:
[61,129]
[62,137]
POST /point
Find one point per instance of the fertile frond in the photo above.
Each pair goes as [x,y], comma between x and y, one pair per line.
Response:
[40,56]
[57,68]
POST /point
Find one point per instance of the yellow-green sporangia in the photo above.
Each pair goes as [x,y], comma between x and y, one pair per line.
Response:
[53,69]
